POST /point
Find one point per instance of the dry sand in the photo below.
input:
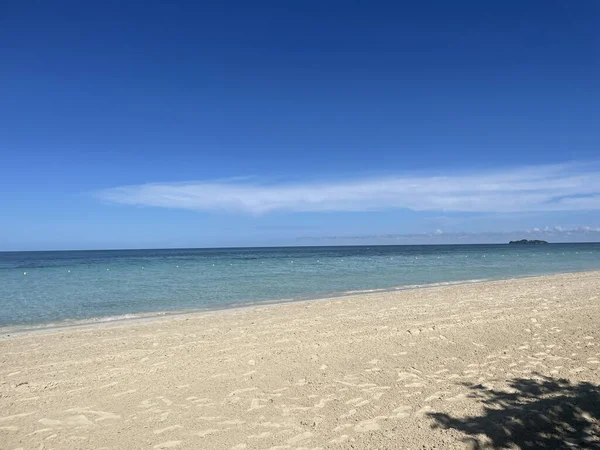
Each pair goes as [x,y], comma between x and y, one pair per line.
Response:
[380,370]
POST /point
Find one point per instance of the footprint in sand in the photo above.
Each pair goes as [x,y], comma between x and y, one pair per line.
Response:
[426,409]
[437,396]
[101,415]
[206,432]
[120,394]
[401,411]
[323,402]
[168,444]
[407,376]
[348,414]
[232,422]
[367,425]
[299,438]
[340,439]
[15,416]
[78,421]
[49,422]
[164,430]
[456,398]
[263,435]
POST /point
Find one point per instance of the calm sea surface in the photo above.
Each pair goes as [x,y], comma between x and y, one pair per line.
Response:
[42,288]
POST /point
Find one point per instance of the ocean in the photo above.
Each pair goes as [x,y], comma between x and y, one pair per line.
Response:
[40,289]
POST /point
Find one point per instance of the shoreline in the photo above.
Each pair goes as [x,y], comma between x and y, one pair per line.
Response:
[165,314]
[67,324]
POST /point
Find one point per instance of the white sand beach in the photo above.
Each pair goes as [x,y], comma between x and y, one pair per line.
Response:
[495,363]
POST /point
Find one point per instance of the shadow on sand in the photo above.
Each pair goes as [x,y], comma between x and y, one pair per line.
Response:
[541,412]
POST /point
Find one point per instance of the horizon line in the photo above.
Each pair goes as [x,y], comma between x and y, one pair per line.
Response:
[285,246]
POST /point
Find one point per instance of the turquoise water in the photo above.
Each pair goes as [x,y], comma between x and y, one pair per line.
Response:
[41,288]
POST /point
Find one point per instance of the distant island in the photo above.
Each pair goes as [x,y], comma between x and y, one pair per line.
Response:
[527,241]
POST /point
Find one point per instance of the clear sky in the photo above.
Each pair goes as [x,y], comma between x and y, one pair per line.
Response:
[185,124]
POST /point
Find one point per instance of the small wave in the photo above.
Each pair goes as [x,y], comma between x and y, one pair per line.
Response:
[364,291]
[406,287]
[69,323]
[439,284]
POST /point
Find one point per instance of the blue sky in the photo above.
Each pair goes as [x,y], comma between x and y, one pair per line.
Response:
[185,124]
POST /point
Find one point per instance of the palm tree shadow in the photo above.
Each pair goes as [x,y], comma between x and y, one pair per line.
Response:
[542,412]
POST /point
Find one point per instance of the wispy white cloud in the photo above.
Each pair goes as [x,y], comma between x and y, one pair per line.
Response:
[563,187]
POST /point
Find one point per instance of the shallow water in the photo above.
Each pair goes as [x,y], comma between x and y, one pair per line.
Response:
[38,288]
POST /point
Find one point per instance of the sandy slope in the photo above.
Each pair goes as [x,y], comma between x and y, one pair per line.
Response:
[364,371]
